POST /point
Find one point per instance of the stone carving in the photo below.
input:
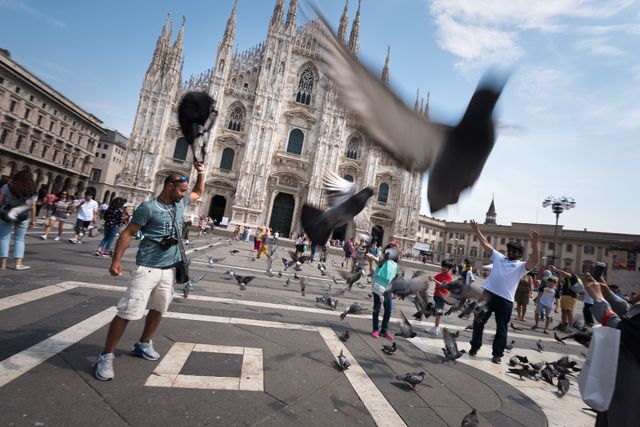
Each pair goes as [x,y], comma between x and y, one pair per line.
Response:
[288,181]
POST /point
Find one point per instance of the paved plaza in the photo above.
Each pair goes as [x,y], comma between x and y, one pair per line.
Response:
[264,356]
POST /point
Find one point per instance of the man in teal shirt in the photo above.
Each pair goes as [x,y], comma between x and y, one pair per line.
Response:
[151,284]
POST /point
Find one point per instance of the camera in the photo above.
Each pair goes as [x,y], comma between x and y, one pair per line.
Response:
[167,242]
[600,269]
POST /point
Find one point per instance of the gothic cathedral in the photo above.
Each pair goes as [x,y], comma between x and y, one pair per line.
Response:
[280,126]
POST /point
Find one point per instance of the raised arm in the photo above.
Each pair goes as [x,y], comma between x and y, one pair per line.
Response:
[198,188]
[535,253]
[483,241]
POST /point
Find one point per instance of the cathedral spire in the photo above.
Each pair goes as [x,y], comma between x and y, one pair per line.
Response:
[291,15]
[161,43]
[178,43]
[230,30]
[491,213]
[421,111]
[415,106]
[426,107]
[354,36]
[344,21]
[385,69]
[276,19]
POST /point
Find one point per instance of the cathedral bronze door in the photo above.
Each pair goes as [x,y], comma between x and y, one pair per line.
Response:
[216,208]
[282,214]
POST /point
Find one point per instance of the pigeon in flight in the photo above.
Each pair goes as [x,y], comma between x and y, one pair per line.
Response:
[406,330]
[189,285]
[345,202]
[581,337]
[558,339]
[454,155]
[345,336]
[243,281]
[351,278]
[343,362]
[213,261]
[450,349]
[402,287]
[412,378]
[390,348]
[471,419]
[353,308]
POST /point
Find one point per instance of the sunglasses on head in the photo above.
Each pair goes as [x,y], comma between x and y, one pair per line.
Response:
[183,179]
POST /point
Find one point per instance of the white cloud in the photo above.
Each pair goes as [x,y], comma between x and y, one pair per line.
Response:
[23,6]
[598,46]
[486,32]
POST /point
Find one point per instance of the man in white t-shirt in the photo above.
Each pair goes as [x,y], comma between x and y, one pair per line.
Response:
[500,288]
[87,215]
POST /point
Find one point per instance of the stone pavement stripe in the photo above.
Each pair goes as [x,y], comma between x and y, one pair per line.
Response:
[20,363]
[36,294]
[288,307]
[540,392]
[378,406]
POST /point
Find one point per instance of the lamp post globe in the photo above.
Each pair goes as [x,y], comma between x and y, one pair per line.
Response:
[558,205]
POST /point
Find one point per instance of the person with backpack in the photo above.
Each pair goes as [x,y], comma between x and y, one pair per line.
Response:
[17,212]
[113,220]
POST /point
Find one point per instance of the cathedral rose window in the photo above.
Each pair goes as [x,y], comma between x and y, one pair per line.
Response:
[235,119]
[305,86]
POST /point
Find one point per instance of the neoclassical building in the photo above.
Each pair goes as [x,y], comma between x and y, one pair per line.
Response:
[43,131]
[579,249]
[280,126]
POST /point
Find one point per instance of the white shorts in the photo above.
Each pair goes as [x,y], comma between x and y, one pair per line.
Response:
[150,288]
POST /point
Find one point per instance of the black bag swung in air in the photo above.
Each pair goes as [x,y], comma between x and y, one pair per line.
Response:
[196,109]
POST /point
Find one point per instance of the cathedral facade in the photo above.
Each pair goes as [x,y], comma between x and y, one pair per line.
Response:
[280,127]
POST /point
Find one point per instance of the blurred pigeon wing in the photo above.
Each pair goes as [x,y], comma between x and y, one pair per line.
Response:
[338,189]
[449,342]
[412,140]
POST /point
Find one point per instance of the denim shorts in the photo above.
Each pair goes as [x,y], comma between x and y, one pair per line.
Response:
[439,302]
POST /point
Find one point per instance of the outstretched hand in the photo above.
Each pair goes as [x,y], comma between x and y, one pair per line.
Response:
[534,236]
[593,287]
[474,226]
[198,166]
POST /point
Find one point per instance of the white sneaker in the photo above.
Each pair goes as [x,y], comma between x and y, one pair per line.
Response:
[57,238]
[43,237]
[434,330]
[104,367]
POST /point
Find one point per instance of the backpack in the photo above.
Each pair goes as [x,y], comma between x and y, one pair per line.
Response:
[16,211]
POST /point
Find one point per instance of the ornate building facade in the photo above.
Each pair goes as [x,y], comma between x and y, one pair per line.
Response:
[280,126]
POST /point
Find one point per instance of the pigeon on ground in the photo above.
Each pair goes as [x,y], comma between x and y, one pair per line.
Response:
[303,285]
[390,348]
[353,308]
[454,156]
[243,281]
[513,361]
[515,328]
[547,374]
[343,362]
[510,345]
[345,202]
[345,336]
[521,372]
[234,251]
[523,359]
[279,273]
[471,419]
[412,378]
[323,268]
[469,327]
[213,261]
[455,334]
[295,275]
[229,274]
[563,385]
[328,300]
[189,285]
[450,350]
[540,346]
[287,283]
[406,330]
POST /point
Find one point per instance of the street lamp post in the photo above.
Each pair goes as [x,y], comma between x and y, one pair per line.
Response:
[558,205]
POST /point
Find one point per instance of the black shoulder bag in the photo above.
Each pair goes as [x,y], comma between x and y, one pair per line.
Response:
[182,266]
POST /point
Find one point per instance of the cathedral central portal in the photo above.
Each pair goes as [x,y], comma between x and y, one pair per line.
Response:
[282,214]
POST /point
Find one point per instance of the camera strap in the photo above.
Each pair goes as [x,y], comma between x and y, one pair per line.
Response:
[183,255]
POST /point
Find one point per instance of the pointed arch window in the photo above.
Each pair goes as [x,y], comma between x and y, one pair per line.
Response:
[181,149]
[383,192]
[296,138]
[305,86]
[353,149]
[236,117]
[226,162]
[348,177]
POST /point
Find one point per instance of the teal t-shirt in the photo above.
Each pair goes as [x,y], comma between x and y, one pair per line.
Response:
[383,275]
[156,220]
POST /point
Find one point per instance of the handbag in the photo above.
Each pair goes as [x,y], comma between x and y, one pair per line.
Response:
[182,266]
[597,379]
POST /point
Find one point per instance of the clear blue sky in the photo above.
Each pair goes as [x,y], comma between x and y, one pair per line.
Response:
[569,116]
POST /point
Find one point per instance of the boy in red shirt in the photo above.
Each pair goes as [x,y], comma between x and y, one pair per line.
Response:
[440,279]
